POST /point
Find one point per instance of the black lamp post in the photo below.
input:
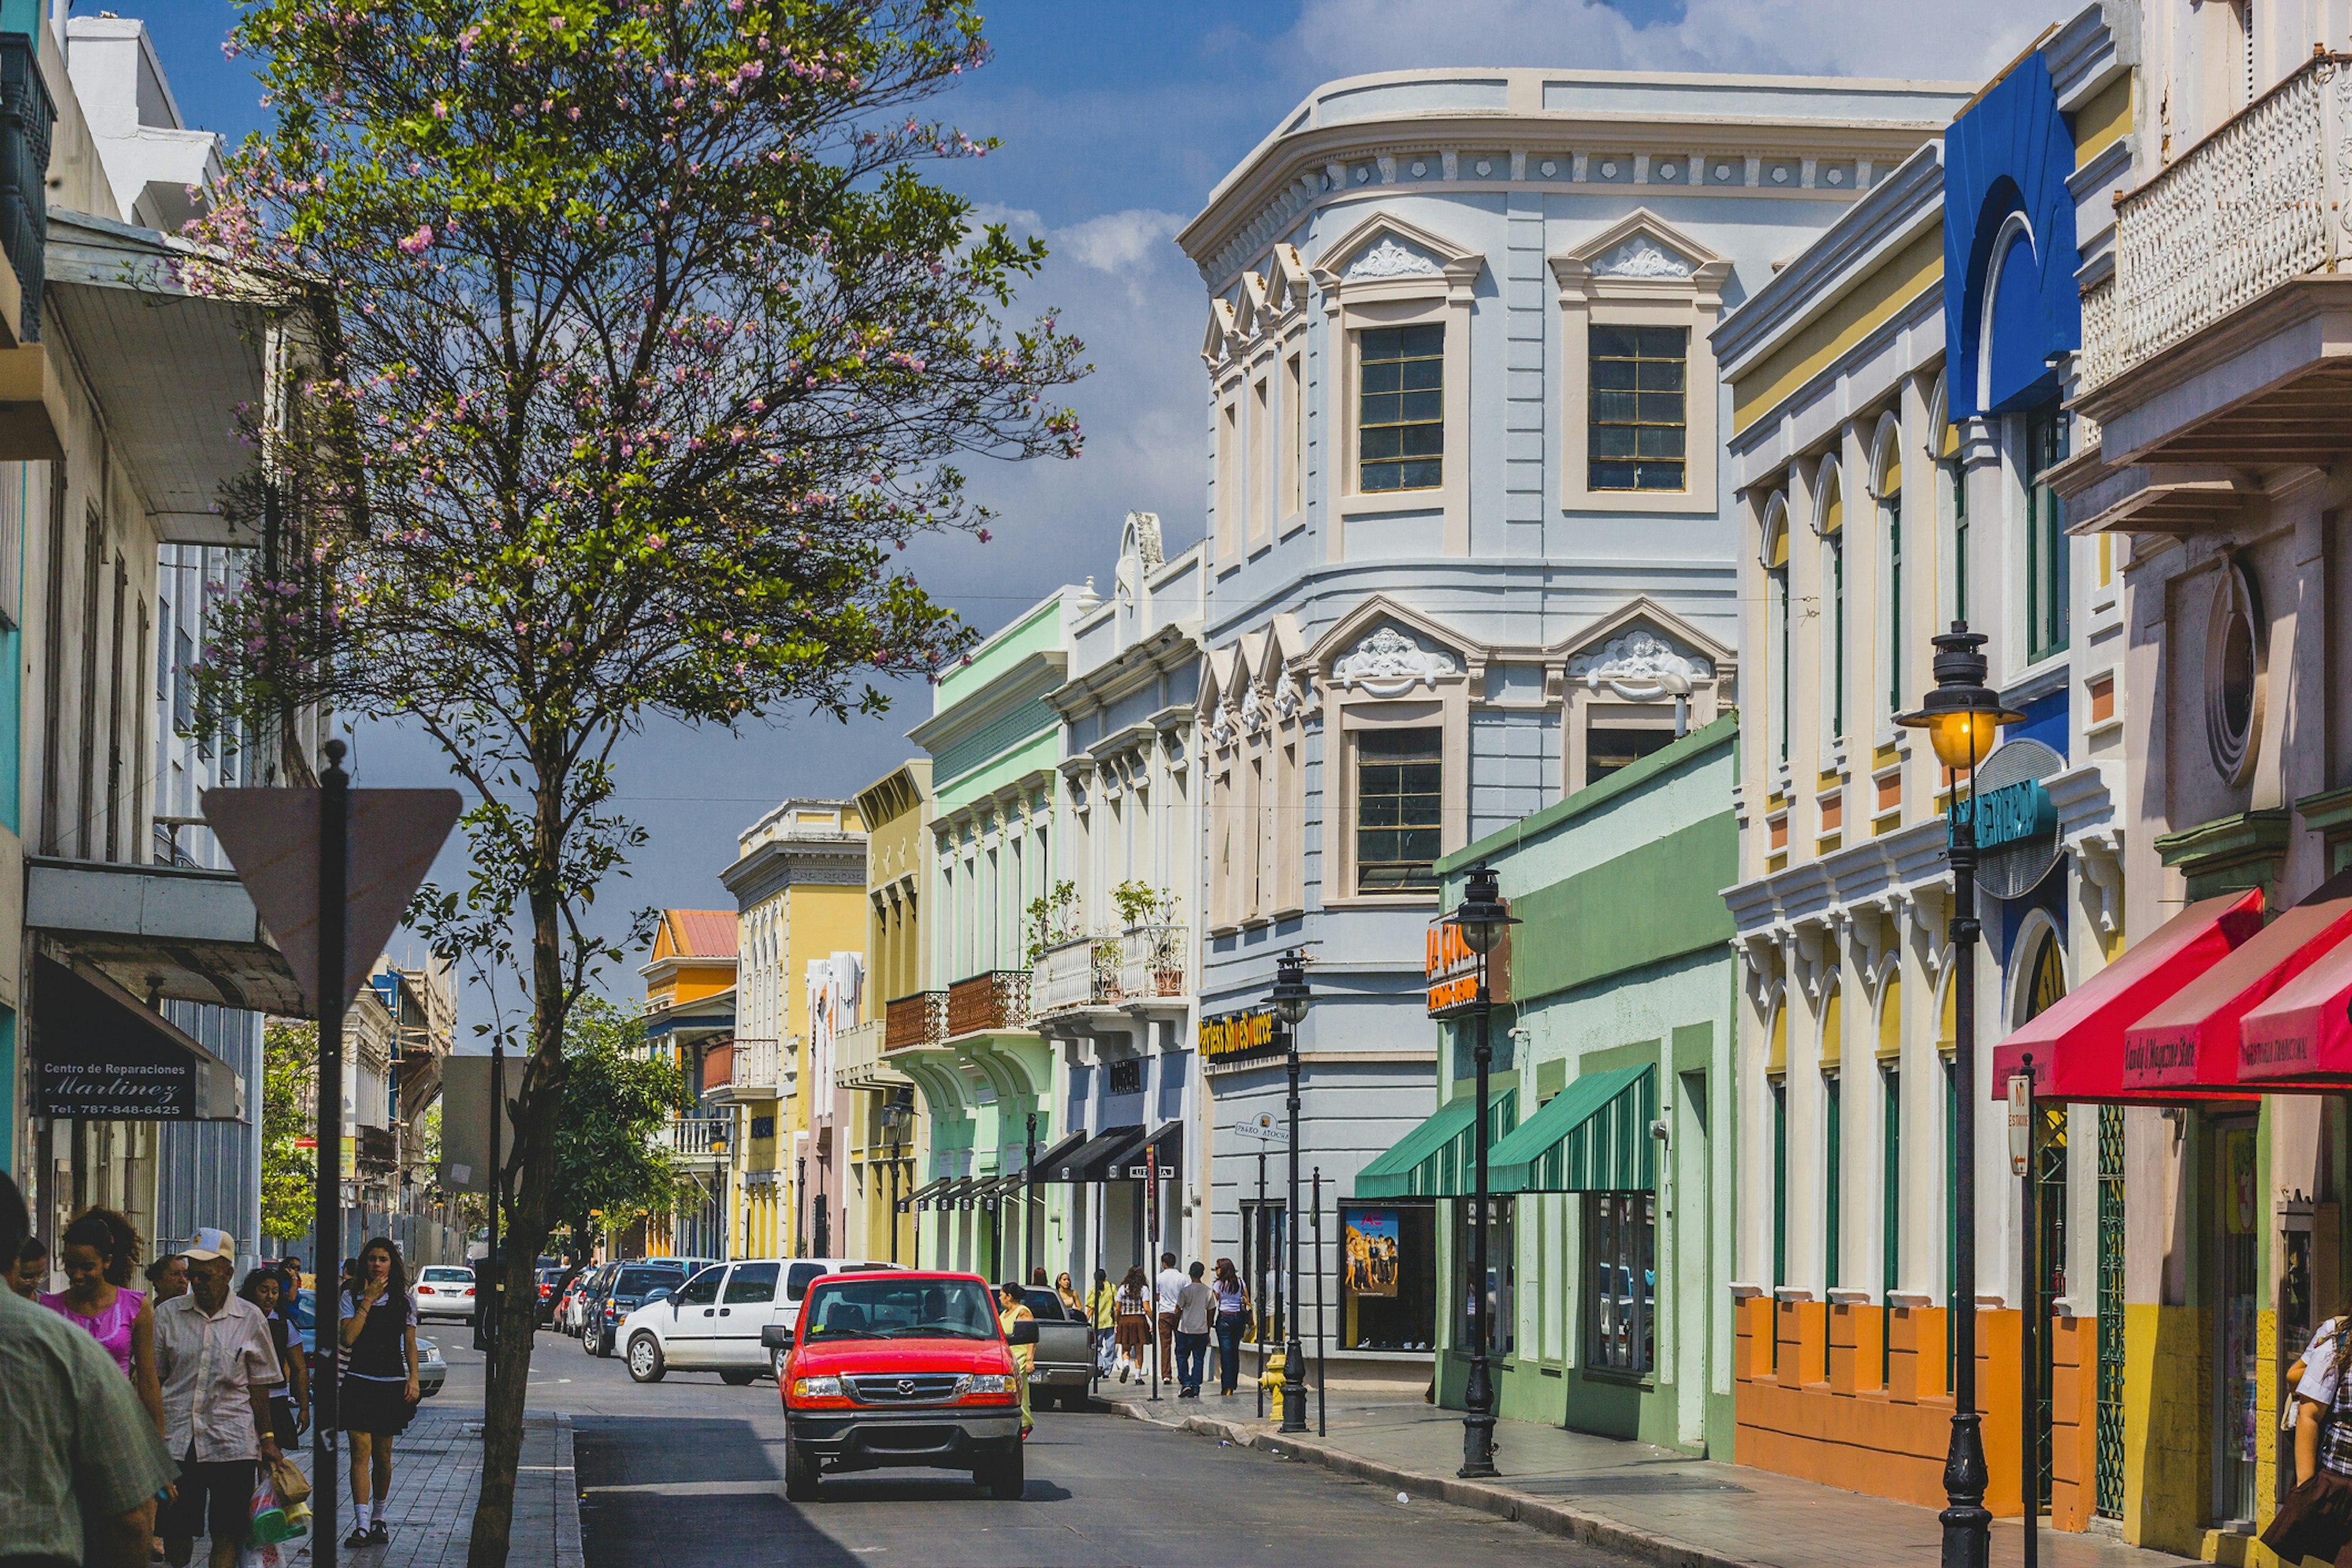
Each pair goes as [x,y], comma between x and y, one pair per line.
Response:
[1290,1001]
[1962,716]
[1481,917]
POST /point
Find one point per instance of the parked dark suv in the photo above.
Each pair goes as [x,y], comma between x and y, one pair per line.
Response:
[632,1284]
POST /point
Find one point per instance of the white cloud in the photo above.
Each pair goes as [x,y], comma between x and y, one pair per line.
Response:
[1913,38]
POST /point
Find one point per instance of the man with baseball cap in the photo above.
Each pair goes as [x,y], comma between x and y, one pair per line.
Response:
[218,1365]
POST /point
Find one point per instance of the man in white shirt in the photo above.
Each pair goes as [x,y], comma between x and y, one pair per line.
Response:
[218,1366]
[1165,1289]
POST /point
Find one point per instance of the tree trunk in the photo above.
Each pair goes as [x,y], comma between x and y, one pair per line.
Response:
[521,1239]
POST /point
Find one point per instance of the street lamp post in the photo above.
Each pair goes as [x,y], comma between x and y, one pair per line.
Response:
[1291,998]
[1962,716]
[1481,918]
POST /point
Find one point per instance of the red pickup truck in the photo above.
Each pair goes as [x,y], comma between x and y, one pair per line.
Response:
[902,1368]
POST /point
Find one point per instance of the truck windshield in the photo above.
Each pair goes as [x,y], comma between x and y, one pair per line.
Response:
[886,1309]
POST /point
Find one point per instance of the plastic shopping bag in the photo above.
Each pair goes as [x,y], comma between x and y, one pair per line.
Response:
[266,1524]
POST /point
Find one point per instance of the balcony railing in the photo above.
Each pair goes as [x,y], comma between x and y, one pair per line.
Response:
[994,999]
[857,1058]
[1139,964]
[921,1019]
[1152,962]
[2237,215]
[718,1068]
[699,1137]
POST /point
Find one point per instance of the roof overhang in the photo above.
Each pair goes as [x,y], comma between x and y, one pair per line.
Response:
[162,932]
[171,369]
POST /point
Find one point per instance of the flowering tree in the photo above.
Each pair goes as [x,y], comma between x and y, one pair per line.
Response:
[628,346]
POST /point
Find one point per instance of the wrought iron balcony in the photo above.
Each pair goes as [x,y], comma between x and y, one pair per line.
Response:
[994,999]
[914,1021]
[2243,212]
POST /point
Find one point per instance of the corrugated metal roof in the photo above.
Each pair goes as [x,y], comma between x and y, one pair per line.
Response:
[701,933]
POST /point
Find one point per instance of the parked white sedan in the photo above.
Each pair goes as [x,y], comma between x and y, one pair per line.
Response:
[444,1290]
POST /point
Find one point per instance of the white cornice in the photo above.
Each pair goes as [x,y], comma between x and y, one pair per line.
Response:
[1897,211]
[1032,678]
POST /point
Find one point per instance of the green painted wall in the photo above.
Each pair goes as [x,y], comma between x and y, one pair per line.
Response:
[1039,631]
[1040,752]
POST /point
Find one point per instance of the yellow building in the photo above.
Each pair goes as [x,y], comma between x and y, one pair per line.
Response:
[799,881]
[888,1142]
[690,1021]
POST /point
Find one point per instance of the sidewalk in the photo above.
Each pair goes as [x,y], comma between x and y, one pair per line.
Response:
[437,1474]
[1649,1503]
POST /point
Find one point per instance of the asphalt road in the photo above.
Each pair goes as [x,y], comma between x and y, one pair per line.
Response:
[687,1472]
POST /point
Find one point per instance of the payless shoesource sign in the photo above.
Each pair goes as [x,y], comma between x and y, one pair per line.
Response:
[1232,1039]
[1450,969]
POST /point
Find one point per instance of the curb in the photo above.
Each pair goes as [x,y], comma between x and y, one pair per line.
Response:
[570,1550]
[1551,1517]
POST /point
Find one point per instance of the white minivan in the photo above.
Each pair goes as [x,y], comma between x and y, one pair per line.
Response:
[715,1322]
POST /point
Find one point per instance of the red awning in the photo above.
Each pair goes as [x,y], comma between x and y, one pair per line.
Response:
[2302,1030]
[2191,1040]
[2078,1042]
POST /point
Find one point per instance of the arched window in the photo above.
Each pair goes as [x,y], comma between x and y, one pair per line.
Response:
[1951,502]
[1833,530]
[2046,976]
[1887,485]
[1776,1069]
[1776,569]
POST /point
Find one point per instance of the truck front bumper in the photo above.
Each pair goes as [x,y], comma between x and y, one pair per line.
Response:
[949,1438]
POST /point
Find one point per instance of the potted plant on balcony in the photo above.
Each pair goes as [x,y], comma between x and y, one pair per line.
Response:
[1150,914]
[1053,920]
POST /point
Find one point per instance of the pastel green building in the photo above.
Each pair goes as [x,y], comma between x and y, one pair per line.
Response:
[1611,1113]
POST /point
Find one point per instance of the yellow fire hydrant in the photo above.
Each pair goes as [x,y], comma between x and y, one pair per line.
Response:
[1271,1381]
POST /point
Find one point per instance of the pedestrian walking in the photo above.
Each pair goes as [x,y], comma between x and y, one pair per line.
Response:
[167,1277]
[84,1461]
[1013,1305]
[29,1270]
[99,1249]
[218,1367]
[1166,1288]
[289,1402]
[1069,1292]
[1132,1308]
[1102,1321]
[1233,1312]
[378,1392]
[1196,1310]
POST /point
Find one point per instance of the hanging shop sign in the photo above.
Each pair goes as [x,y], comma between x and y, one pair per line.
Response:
[1232,1038]
[2016,820]
[1450,969]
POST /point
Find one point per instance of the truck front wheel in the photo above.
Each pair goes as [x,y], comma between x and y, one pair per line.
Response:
[1005,1476]
[800,1474]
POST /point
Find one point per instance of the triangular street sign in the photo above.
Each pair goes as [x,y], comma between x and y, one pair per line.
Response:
[271,836]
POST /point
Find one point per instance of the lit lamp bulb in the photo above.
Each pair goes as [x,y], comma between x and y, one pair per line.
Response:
[1963,740]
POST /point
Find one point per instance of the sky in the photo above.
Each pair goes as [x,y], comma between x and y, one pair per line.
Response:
[1118,120]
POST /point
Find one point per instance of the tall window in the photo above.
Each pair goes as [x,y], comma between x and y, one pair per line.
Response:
[1832,1173]
[1500,1271]
[1400,410]
[2046,542]
[1622,1232]
[1259,483]
[1779,1183]
[1777,607]
[1949,460]
[1294,436]
[1398,779]
[1890,1238]
[1638,418]
[1836,563]
[1891,502]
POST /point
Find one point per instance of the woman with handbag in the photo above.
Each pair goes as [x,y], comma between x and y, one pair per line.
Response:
[1133,1307]
[2315,1520]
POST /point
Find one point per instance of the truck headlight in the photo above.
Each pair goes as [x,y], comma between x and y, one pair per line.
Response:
[816,1388]
[986,1382]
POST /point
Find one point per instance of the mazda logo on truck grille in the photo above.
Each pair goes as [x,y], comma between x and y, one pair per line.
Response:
[906,1385]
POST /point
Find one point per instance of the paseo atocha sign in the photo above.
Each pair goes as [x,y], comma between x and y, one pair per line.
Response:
[2016,821]
[1230,1039]
[1450,969]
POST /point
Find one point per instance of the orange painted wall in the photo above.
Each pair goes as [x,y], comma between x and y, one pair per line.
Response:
[1827,1416]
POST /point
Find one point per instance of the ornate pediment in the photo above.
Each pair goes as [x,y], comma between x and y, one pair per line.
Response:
[1640,664]
[1642,257]
[1392,258]
[1389,663]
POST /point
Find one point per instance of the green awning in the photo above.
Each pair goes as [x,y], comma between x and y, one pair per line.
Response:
[1591,1137]
[1433,1160]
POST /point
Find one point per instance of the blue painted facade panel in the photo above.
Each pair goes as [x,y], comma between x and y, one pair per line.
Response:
[2010,157]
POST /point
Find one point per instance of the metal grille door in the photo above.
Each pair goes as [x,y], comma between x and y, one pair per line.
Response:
[2109,1435]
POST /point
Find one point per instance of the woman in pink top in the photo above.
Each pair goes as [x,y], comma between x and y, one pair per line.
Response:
[98,1251]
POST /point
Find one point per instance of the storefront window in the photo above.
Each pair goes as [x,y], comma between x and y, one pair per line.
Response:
[1620,1232]
[1498,1276]
[1387,1276]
